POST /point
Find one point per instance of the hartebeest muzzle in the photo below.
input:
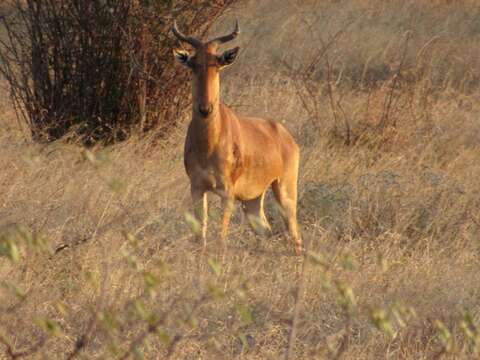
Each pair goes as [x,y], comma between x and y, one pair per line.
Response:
[205,110]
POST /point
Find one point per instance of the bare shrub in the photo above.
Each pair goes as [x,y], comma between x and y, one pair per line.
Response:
[98,69]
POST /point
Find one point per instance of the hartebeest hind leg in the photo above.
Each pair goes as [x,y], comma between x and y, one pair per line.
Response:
[256,216]
[285,191]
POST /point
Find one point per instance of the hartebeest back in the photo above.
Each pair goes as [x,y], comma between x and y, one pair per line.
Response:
[235,157]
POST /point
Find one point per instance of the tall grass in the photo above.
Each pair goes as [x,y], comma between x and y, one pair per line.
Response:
[98,260]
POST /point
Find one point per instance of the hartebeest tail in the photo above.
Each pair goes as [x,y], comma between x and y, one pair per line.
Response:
[235,157]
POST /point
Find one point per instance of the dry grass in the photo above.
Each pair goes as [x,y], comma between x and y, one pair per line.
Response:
[391,219]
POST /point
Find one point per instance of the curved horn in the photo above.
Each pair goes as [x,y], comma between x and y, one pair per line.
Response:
[180,36]
[229,37]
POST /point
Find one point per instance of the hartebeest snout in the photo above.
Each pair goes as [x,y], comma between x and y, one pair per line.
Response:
[236,157]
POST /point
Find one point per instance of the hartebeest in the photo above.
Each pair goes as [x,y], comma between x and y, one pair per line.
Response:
[235,157]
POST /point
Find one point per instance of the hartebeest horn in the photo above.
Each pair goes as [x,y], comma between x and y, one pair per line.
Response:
[229,37]
[188,39]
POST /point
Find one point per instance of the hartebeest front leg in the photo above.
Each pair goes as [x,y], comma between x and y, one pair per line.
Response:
[200,209]
[228,204]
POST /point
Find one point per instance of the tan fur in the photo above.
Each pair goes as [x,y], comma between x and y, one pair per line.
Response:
[236,157]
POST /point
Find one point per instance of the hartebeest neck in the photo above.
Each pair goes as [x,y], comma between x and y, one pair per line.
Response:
[206,114]
[206,131]
[206,134]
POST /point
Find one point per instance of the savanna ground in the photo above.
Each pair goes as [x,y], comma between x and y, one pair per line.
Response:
[384,100]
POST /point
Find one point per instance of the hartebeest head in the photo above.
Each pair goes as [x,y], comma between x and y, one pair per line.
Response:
[205,64]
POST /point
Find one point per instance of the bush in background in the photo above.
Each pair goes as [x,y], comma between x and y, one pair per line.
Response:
[98,69]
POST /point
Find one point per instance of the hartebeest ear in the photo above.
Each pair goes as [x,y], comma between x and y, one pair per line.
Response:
[182,56]
[228,57]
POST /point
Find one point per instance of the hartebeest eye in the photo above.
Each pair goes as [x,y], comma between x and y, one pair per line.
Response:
[228,57]
[182,56]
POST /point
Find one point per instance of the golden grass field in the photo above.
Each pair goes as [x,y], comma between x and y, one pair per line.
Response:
[388,121]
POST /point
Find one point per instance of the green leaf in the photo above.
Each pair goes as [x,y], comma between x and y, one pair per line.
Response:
[241,294]
[137,353]
[131,239]
[163,336]
[151,281]
[49,326]
[244,340]
[117,185]
[25,235]
[325,281]
[14,289]
[131,259]
[215,266]
[316,259]
[140,309]
[215,291]
[113,348]
[9,249]
[103,156]
[96,158]
[347,295]
[381,320]
[193,223]
[89,156]
[244,313]
[349,263]
[109,320]
[257,224]
[444,335]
